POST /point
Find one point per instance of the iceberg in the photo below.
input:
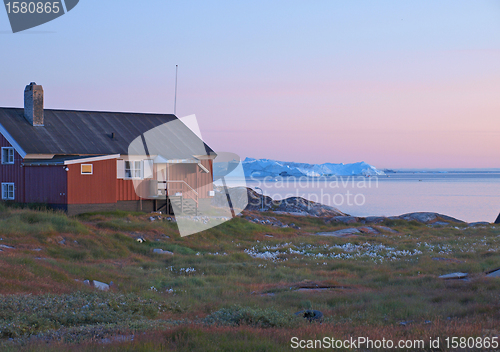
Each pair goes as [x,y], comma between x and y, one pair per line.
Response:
[267,167]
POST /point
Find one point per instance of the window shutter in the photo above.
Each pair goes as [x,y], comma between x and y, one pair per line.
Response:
[120,169]
[148,168]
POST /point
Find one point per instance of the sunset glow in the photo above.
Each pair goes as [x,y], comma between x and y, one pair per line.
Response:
[395,84]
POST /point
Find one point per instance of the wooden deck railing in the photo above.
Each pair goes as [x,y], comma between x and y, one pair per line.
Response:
[173,187]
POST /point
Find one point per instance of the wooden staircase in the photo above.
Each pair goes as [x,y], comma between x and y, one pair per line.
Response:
[184,202]
[184,206]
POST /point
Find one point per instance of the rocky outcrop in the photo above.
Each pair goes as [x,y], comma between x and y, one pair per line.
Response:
[432,219]
[427,218]
[292,205]
[340,233]
[354,231]
[497,221]
[344,219]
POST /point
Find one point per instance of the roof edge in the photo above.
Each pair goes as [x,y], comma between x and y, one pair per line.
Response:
[98,111]
[12,141]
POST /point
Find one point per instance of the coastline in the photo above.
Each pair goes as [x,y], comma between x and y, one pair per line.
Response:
[469,196]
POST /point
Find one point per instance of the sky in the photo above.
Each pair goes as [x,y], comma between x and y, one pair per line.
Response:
[397,84]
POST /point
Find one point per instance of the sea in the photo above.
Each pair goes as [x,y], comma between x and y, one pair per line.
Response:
[469,196]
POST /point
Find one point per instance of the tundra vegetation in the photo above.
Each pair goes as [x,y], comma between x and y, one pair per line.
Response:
[237,286]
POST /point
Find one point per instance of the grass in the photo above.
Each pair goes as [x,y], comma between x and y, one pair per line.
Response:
[29,315]
[234,286]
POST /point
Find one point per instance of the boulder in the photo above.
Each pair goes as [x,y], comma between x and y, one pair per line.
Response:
[311,315]
[405,323]
[493,273]
[368,230]
[426,217]
[385,228]
[479,223]
[97,284]
[345,219]
[439,223]
[452,260]
[497,221]
[454,276]
[340,233]
[420,217]
[161,251]
[100,285]
[374,219]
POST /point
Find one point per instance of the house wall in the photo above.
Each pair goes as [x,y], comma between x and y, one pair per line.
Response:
[45,184]
[182,172]
[190,173]
[205,182]
[13,173]
[98,188]
[125,190]
[194,176]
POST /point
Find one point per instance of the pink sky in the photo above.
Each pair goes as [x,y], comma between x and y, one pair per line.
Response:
[395,84]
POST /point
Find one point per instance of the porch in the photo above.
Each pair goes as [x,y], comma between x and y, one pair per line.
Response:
[178,186]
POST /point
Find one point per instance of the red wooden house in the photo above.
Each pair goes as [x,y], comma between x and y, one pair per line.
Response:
[80,161]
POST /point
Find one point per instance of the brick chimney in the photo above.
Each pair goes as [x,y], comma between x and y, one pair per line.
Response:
[33,104]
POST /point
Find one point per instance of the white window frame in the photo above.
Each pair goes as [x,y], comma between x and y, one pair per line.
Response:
[10,155]
[134,169]
[87,173]
[7,191]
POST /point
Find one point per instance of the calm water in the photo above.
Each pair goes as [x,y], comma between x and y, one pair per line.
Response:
[466,196]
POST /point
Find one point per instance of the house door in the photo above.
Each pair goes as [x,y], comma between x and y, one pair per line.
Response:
[161,172]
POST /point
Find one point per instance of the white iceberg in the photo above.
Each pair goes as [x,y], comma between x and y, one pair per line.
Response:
[267,167]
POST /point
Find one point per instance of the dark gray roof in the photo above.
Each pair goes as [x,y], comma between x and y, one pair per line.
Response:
[68,132]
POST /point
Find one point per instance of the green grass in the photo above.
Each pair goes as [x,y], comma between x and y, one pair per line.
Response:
[18,222]
[216,279]
[22,315]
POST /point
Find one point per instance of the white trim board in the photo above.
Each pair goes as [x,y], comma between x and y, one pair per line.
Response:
[39,156]
[91,159]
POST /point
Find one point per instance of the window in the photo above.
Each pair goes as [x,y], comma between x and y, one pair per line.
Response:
[87,169]
[133,169]
[7,191]
[7,155]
